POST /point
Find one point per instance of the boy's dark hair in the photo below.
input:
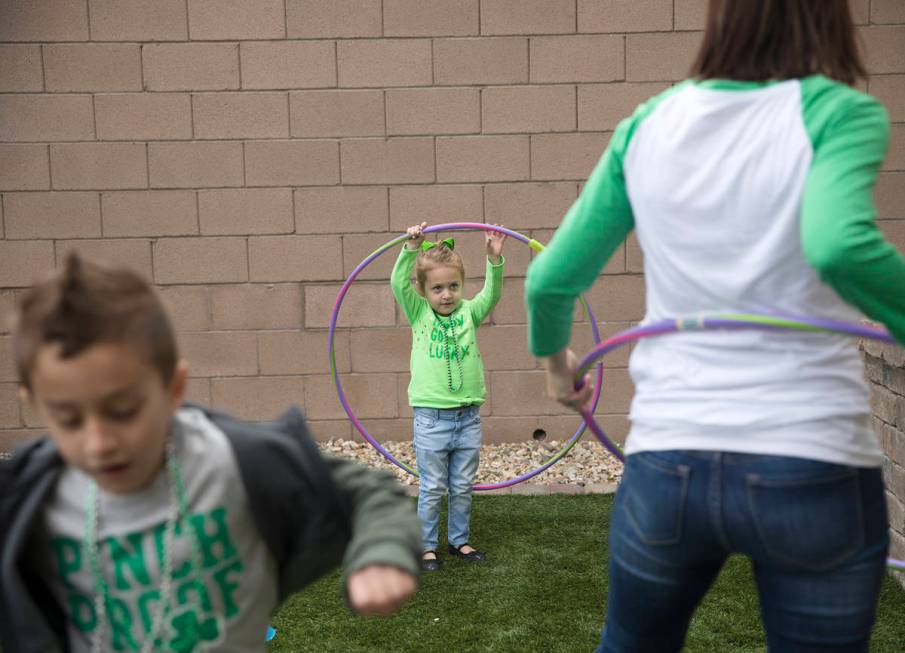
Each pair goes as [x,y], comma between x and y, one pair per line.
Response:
[760,40]
[85,304]
[435,257]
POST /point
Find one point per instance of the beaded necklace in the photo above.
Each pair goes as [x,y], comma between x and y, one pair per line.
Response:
[178,514]
[447,355]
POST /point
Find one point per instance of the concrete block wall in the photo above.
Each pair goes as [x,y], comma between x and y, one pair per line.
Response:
[246,156]
[885,366]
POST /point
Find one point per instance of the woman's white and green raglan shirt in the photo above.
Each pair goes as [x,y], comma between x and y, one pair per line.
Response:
[746,197]
[433,360]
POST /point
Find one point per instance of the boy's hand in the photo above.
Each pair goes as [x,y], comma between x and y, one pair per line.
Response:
[416,237]
[493,240]
[561,369]
[379,589]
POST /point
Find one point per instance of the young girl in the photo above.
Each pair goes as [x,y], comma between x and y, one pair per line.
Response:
[447,386]
[750,189]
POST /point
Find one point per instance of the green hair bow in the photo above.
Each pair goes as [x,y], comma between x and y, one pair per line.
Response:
[449,242]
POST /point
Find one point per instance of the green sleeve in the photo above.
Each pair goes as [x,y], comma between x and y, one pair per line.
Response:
[385,528]
[482,303]
[400,282]
[592,230]
[840,239]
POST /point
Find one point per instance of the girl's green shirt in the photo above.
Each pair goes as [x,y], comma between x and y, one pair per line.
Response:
[436,340]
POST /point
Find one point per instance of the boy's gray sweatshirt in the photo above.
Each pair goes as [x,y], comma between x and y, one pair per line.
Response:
[313,512]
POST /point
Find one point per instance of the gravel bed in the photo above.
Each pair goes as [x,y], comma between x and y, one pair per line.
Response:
[586,464]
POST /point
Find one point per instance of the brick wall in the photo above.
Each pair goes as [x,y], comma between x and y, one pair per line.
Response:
[247,155]
[885,366]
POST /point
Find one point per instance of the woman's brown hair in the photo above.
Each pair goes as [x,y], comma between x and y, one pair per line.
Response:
[759,40]
[85,304]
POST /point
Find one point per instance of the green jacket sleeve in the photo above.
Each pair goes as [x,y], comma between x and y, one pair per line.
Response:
[385,528]
[316,512]
[482,303]
[839,237]
[400,283]
[595,226]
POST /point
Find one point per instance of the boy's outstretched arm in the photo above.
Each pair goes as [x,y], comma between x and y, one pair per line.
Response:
[381,563]
[379,589]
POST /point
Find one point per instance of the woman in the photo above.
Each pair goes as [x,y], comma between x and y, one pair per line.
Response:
[749,187]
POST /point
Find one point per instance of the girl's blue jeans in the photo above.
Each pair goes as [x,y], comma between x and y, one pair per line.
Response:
[447,447]
[816,534]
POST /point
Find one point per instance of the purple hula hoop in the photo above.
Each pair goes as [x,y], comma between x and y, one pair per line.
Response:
[456,226]
[733,321]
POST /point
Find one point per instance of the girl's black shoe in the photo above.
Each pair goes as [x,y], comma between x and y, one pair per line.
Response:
[471,556]
[430,564]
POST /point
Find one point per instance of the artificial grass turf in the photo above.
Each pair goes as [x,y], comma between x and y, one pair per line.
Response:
[543,588]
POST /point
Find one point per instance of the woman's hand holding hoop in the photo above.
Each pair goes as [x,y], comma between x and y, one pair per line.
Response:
[561,370]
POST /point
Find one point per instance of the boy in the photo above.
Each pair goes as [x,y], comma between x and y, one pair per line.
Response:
[143,524]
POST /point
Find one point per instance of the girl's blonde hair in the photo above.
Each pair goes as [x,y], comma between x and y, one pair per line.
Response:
[441,255]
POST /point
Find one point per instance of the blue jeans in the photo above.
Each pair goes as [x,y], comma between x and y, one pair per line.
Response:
[815,532]
[447,446]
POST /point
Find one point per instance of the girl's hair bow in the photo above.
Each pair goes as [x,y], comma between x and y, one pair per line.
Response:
[427,244]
